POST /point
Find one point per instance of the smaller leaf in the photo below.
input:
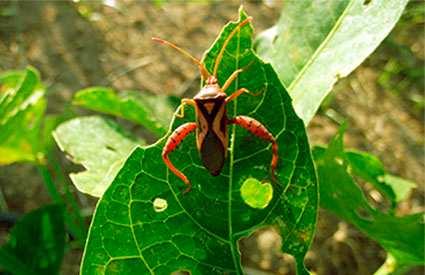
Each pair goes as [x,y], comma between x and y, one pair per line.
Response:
[22,106]
[151,111]
[365,165]
[402,237]
[98,144]
[371,169]
[37,242]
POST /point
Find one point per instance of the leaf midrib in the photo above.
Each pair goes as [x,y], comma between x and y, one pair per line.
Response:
[231,164]
[319,50]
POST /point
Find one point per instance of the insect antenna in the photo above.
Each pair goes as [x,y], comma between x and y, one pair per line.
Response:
[220,55]
[201,66]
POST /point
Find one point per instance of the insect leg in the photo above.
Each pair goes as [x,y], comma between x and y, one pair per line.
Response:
[184,102]
[238,93]
[231,78]
[259,130]
[173,141]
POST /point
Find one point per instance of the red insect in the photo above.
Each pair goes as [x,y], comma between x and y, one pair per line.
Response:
[211,118]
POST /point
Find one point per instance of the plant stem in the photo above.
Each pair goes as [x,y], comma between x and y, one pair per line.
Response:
[3,203]
[69,197]
[75,230]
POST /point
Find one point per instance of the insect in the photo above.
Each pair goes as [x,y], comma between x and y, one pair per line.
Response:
[211,117]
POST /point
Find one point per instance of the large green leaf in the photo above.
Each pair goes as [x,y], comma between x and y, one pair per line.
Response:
[22,106]
[152,111]
[316,42]
[144,224]
[36,243]
[100,145]
[402,236]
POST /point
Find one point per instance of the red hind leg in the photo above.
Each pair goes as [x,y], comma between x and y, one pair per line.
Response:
[259,130]
[173,141]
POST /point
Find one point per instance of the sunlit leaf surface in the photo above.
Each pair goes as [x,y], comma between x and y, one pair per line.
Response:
[22,106]
[98,144]
[316,42]
[152,111]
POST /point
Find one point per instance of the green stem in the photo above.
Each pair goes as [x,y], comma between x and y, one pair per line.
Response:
[50,185]
[3,203]
[69,197]
[57,198]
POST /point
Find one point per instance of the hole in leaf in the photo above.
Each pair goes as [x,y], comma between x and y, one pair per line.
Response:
[180,272]
[341,234]
[256,194]
[73,166]
[160,205]
[367,2]
[267,244]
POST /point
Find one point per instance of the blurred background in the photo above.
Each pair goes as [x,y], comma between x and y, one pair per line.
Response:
[79,44]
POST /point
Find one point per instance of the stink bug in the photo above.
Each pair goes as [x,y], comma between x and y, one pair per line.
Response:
[211,117]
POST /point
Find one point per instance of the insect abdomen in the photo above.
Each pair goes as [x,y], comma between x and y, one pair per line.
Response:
[212,153]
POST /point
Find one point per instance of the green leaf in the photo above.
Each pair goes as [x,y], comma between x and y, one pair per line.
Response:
[22,106]
[11,263]
[371,169]
[98,144]
[36,243]
[152,111]
[315,43]
[365,165]
[198,231]
[401,187]
[402,237]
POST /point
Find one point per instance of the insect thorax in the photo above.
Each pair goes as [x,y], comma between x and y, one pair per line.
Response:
[210,110]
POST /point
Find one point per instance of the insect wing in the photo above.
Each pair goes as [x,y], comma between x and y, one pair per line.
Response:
[212,133]
[212,153]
